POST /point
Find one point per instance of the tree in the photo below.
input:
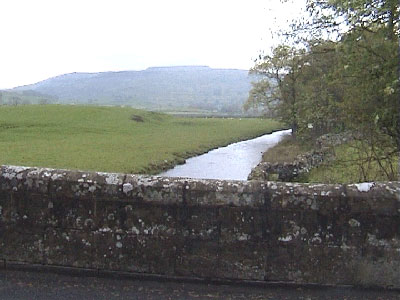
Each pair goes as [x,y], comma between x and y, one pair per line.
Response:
[320,108]
[300,87]
[345,77]
[277,89]
[370,78]
[15,100]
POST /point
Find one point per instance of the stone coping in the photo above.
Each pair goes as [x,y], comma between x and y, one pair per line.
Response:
[165,190]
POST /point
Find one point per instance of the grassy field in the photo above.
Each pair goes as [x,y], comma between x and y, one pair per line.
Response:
[113,139]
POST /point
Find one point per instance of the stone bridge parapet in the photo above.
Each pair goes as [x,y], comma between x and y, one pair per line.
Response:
[209,229]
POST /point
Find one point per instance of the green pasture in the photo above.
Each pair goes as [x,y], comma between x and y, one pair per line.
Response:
[113,139]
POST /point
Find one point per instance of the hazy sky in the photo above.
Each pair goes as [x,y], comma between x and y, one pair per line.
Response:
[45,38]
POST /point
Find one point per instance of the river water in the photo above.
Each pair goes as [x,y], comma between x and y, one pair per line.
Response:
[233,162]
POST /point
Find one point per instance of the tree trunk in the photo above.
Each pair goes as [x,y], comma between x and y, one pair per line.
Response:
[294,129]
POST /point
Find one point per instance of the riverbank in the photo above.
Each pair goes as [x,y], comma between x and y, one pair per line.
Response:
[336,160]
[287,150]
[113,139]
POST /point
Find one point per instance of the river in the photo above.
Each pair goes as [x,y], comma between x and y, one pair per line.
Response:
[233,162]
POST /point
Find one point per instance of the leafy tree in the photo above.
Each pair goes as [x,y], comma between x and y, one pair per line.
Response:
[347,77]
[321,98]
[277,90]
[299,86]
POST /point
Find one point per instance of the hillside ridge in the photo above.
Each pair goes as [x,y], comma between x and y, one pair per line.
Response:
[161,88]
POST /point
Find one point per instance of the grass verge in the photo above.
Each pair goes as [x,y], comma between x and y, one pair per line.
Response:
[347,167]
[286,150]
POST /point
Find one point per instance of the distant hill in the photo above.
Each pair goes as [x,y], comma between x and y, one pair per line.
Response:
[160,88]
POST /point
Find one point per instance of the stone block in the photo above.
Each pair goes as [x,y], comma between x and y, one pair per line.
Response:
[225,192]
[136,253]
[199,222]
[242,260]
[310,264]
[73,184]
[25,210]
[153,189]
[70,247]
[136,218]
[21,244]
[374,197]
[241,224]
[13,178]
[198,258]
[73,212]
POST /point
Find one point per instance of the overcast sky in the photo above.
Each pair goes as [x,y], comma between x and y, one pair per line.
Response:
[45,38]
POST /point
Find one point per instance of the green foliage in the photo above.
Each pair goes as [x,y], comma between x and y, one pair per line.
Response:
[364,14]
[112,138]
[346,76]
[369,77]
[277,91]
[320,98]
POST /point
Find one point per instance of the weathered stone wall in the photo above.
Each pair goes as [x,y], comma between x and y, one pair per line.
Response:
[288,171]
[265,231]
